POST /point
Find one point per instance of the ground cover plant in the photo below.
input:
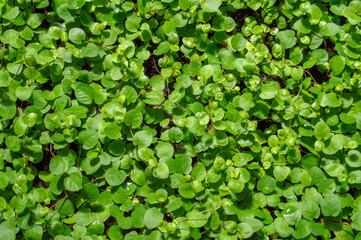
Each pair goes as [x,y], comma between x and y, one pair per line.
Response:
[180,119]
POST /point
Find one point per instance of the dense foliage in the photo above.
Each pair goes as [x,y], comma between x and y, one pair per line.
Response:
[180,119]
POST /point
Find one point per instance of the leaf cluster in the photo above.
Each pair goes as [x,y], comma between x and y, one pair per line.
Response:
[180,119]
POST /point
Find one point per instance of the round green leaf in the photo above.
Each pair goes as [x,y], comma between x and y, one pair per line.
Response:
[84,93]
[266,184]
[186,191]
[152,218]
[77,35]
[114,177]
[142,139]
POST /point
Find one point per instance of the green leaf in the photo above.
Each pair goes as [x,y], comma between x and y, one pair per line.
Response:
[77,35]
[282,228]
[186,191]
[142,139]
[238,42]
[280,173]
[194,68]
[310,210]
[20,127]
[245,101]
[137,216]
[88,138]
[139,178]
[10,36]
[175,134]
[162,49]
[23,93]
[152,218]
[35,20]
[330,99]
[64,13]
[34,233]
[134,118]
[91,50]
[180,20]
[8,234]
[183,81]
[353,158]
[90,192]
[132,23]
[337,64]
[302,230]
[245,229]
[157,82]
[11,13]
[269,90]
[196,219]
[47,41]
[302,26]
[114,233]
[84,217]
[210,5]
[164,149]
[206,71]
[266,184]
[4,180]
[331,205]
[52,121]
[74,182]
[241,159]
[154,98]
[322,130]
[235,185]
[356,221]
[184,164]
[113,130]
[114,177]
[315,14]
[4,78]
[286,38]
[7,109]
[58,165]
[161,171]
[320,55]
[143,6]
[84,93]
[330,29]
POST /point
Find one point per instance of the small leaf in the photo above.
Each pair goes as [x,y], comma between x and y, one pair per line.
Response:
[74,182]
[210,5]
[134,118]
[337,64]
[152,218]
[330,29]
[286,38]
[84,93]
[114,177]
[269,90]
[77,35]
[142,139]
[88,138]
[186,191]
[58,165]
[113,130]
[322,130]
[196,219]
[266,184]
[161,171]
[331,205]
[154,98]
[10,36]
